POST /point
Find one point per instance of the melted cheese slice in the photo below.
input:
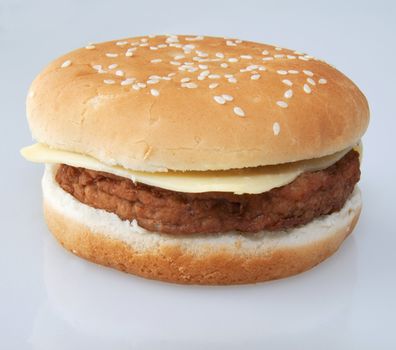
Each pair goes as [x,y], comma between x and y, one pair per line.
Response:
[238,181]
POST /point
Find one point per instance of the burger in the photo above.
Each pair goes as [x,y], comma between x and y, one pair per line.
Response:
[198,160]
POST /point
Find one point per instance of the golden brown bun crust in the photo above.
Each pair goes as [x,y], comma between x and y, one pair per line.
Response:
[172,264]
[184,128]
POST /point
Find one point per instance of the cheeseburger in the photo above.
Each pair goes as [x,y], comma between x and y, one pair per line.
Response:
[198,160]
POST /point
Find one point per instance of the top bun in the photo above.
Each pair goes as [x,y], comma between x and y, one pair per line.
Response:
[194,103]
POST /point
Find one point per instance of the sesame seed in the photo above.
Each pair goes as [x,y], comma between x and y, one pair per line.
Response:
[232,80]
[282,104]
[172,39]
[238,41]
[121,43]
[156,60]
[154,92]
[144,45]
[255,76]
[219,55]
[200,77]
[204,73]
[322,81]
[189,47]
[239,111]
[161,46]
[311,81]
[282,72]
[278,48]
[144,40]
[128,81]
[111,54]
[292,71]
[265,52]
[224,65]
[141,85]
[267,58]
[97,67]
[219,99]
[230,43]
[276,128]
[175,63]
[152,81]
[246,57]
[65,64]
[129,54]
[288,93]
[136,87]
[90,47]
[112,66]
[171,74]
[153,48]
[202,54]
[279,55]
[189,85]
[287,82]
[307,89]
[203,66]
[120,73]
[251,67]
[228,75]
[109,81]
[185,80]
[213,85]
[232,59]
[262,68]
[227,97]
[154,77]
[214,76]
[303,58]
[291,57]
[308,72]
[179,57]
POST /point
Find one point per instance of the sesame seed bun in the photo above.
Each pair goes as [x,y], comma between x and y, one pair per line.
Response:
[194,103]
[231,258]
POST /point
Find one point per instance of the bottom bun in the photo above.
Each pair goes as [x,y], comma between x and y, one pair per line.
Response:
[231,258]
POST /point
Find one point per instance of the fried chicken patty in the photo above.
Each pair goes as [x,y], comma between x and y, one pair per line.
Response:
[310,195]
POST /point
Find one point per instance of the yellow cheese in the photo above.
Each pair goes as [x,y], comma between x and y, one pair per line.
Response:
[239,181]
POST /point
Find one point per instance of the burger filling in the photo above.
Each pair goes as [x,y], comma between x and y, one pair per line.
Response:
[309,196]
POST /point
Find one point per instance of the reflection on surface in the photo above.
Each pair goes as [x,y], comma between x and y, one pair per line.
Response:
[95,306]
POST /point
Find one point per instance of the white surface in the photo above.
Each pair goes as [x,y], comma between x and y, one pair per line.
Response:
[51,300]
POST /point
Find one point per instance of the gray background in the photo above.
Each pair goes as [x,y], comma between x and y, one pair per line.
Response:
[50,299]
